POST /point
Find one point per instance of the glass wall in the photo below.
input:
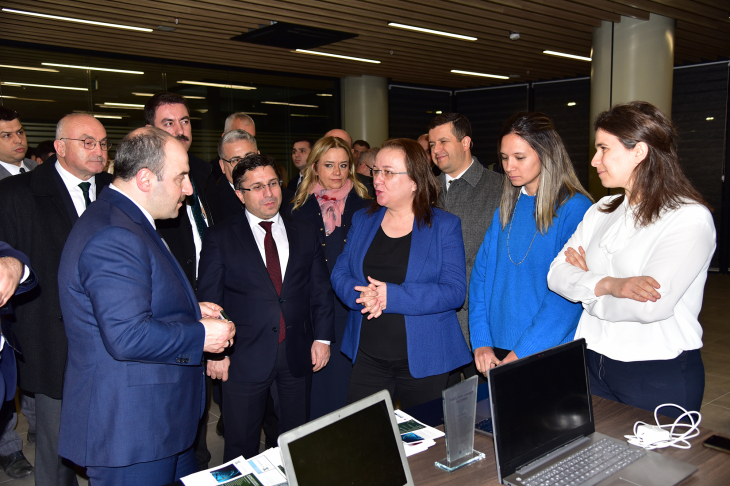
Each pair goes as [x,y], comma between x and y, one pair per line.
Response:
[284,107]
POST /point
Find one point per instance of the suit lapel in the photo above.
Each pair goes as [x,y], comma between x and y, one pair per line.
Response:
[47,182]
[420,243]
[242,229]
[292,235]
[4,173]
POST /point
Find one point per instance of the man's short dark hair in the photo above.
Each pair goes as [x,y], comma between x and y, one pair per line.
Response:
[362,143]
[162,98]
[308,140]
[45,149]
[143,148]
[251,162]
[6,114]
[461,127]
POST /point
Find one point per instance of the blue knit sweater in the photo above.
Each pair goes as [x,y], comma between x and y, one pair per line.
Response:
[510,306]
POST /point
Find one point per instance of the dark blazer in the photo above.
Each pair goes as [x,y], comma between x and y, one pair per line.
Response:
[293,183]
[8,372]
[36,216]
[178,232]
[222,199]
[134,388]
[31,164]
[435,286]
[233,274]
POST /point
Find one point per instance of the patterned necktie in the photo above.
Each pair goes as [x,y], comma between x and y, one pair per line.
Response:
[85,189]
[274,268]
[198,213]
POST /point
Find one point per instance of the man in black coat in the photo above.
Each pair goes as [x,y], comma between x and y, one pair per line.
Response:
[233,146]
[37,211]
[184,234]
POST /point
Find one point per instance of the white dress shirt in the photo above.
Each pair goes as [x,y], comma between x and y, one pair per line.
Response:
[675,250]
[14,169]
[449,178]
[278,231]
[196,236]
[72,185]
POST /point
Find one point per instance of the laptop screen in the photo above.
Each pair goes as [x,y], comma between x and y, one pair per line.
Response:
[358,449]
[539,403]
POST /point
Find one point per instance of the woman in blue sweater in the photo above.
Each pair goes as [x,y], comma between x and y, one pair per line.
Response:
[512,313]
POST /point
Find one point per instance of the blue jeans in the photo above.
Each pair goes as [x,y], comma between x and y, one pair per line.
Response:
[647,384]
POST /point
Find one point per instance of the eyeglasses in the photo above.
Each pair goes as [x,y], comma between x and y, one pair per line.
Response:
[90,143]
[387,174]
[234,160]
[257,188]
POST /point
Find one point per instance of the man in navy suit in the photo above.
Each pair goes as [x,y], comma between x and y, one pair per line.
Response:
[134,384]
[270,274]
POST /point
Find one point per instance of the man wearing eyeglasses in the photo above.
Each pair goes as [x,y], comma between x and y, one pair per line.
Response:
[37,212]
[233,146]
[269,273]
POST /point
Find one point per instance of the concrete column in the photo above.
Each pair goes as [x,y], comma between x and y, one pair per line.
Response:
[632,60]
[365,108]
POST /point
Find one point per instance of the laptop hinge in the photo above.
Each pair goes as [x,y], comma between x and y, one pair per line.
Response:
[550,455]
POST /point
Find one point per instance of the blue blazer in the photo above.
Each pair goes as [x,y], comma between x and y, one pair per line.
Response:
[134,385]
[8,373]
[435,286]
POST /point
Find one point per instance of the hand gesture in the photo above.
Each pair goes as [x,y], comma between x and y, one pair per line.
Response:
[218,368]
[11,271]
[485,359]
[218,334]
[209,309]
[641,289]
[577,258]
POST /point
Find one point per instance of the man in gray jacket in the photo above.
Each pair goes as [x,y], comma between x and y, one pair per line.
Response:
[468,190]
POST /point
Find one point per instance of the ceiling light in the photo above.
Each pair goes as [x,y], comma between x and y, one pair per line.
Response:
[287,104]
[108,116]
[710,118]
[469,73]
[439,112]
[216,85]
[91,68]
[562,54]
[118,106]
[8,83]
[125,105]
[323,94]
[143,94]
[327,54]
[572,103]
[81,21]
[186,97]
[28,68]
[308,116]
[254,113]
[430,31]
[24,99]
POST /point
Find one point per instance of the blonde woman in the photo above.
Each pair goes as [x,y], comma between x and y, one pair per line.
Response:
[512,313]
[328,196]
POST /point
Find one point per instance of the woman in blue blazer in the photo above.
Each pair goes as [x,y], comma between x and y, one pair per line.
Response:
[403,275]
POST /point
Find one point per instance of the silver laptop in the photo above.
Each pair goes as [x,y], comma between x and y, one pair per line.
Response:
[544,432]
[356,445]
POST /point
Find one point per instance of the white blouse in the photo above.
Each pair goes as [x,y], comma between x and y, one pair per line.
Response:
[675,250]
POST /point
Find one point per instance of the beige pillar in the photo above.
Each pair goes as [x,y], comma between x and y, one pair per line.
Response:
[365,108]
[632,60]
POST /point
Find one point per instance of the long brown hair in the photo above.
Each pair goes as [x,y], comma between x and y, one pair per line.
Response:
[310,177]
[658,181]
[558,181]
[418,167]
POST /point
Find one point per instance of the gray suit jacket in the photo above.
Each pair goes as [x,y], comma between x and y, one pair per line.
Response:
[473,197]
[27,162]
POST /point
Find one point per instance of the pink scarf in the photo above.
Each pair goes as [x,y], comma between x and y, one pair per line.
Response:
[332,204]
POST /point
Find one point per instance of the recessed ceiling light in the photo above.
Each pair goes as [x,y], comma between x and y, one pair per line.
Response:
[254,113]
[28,68]
[91,68]
[710,118]
[216,85]
[572,103]
[431,31]
[562,54]
[125,105]
[439,112]
[8,83]
[327,54]
[287,104]
[184,96]
[323,94]
[307,116]
[118,106]
[24,99]
[469,73]
[108,116]
[81,21]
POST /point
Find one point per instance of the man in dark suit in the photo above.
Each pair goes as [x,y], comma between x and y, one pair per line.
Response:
[184,233]
[13,145]
[468,190]
[134,389]
[232,148]
[16,277]
[37,211]
[270,273]
[299,154]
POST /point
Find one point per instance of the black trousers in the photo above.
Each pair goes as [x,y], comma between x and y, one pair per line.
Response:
[370,375]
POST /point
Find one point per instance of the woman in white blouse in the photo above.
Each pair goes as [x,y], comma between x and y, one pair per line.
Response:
[638,262]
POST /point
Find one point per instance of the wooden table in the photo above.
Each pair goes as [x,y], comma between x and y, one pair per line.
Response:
[612,418]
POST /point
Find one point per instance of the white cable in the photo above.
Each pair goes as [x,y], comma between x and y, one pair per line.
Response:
[659,436]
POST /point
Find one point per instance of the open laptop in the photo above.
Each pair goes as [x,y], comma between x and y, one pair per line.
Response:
[542,418]
[356,445]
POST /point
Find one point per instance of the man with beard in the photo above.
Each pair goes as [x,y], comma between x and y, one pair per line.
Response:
[184,234]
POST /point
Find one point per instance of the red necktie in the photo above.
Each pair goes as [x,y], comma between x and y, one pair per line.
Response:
[274,268]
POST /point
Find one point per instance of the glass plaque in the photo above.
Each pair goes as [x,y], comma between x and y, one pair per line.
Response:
[460,409]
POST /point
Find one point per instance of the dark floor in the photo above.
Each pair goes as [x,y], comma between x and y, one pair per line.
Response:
[715,319]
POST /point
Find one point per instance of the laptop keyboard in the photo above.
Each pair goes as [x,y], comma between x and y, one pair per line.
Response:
[485,425]
[602,459]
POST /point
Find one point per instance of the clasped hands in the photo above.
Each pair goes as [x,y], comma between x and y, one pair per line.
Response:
[373,298]
[11,271]
[640,289]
